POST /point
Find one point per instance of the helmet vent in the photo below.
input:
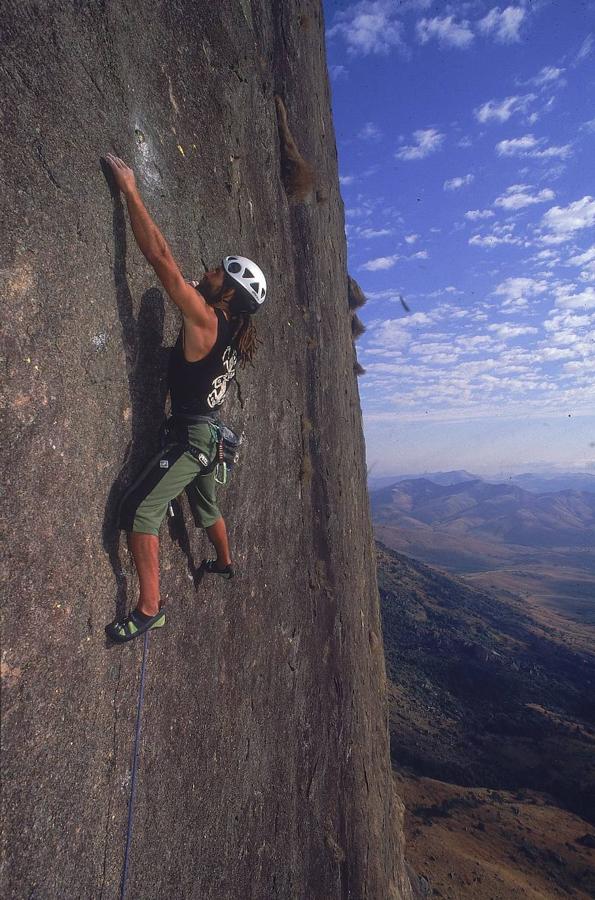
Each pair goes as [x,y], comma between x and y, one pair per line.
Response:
[234,267]
[248,273]
[255,286]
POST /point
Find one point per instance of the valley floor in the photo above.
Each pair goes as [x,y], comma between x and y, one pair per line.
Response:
[485,844]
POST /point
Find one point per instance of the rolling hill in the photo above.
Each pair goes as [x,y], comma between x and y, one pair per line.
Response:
[500,537]
[492,724]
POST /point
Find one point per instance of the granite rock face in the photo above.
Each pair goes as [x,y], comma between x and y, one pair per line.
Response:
[264,766]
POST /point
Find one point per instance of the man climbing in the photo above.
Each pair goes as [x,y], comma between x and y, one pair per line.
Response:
[217,332]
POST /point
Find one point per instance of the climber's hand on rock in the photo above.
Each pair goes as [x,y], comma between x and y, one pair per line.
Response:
[123,174]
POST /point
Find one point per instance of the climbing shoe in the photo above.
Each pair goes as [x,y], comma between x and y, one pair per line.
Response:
[210,565]
[133,626]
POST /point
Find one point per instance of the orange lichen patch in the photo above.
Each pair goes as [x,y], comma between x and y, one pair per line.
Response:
[20,280]
[21,400]
[9,674]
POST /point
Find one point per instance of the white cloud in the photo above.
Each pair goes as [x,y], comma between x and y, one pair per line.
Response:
[381,262]
[504,25]
[517,146]
[337,72]
[427,140]
[453,184]
[370,26]
[475,214]
[421,254]
[370,132]
[547,75]
[346,179]
[567,299]
[493,240]
[562,152]
[411,238]
[529,145]
[561,222]
[586,261]
[374,232]
[448,32]
[511,331]
[517,291]
[550,354]
[585,49]
[517,196]
[502,110]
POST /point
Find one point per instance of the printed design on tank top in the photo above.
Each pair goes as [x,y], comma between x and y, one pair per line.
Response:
[219,384]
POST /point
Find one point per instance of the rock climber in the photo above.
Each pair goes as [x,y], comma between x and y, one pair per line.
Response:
[217,334]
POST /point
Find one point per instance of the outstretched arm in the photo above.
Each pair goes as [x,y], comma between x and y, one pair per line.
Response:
[154,247]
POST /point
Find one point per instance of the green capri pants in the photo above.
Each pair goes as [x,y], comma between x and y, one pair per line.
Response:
[143,507]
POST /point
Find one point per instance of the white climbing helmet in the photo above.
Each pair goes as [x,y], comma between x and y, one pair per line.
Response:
[249,279]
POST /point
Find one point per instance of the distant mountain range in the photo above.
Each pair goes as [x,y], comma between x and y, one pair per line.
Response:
[502,512]
[500,537]
[539,484]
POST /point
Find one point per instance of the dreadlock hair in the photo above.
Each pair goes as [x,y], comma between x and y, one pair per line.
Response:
[244,338]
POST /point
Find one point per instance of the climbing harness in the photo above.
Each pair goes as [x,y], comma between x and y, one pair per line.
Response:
[174,431]
[139,709]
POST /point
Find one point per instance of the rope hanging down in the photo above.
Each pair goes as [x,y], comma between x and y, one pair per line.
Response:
[139,709]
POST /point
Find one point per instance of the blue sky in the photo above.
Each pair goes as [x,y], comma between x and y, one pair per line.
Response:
[466,141]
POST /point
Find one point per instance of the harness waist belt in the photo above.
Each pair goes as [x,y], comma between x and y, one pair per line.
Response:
[195,420]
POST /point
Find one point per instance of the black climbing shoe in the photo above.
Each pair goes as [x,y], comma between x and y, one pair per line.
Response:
[210,565]
[133,626]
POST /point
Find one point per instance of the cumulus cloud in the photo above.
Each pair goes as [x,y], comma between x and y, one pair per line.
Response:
[500,235]
[503,24]
[517,146]
[453,184]
[374,232]
[370,26]
[569,298]
[517,196]
[586,261]
[529,145]
[381,262]
[346,179]
[517,292]
[411,238]
[506,330]
[427,140]
[560,223]
[502,110]
[475,214]
[446,31]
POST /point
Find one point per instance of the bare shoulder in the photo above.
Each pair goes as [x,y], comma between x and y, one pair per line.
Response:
[191,303]
[199,339]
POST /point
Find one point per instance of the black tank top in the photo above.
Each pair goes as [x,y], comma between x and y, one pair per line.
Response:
[198,388]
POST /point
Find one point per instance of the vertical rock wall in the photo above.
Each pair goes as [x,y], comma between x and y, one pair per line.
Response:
[264,766]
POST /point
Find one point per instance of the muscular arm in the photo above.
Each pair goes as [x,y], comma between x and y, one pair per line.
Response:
[154,248]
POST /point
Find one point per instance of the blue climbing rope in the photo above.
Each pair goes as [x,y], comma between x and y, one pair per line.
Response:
[139,709]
